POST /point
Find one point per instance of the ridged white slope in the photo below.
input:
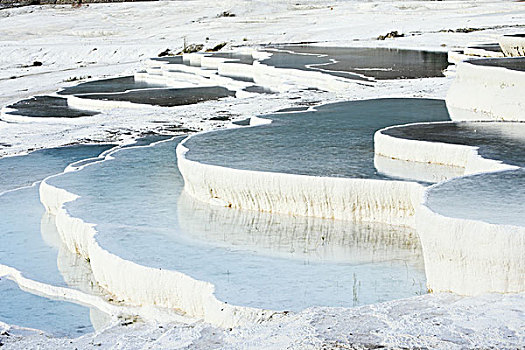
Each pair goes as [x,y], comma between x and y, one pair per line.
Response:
[486,93]
[469,53]
[471,257]
[384,201]
[465,158]
[480,52]
[282,79]
[276,79]
[238,70]
[140,285]
[512,46]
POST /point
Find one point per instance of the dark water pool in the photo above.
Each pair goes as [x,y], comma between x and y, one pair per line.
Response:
[377,63]
[120,84]
[47,107]
[513,63]
[166,97]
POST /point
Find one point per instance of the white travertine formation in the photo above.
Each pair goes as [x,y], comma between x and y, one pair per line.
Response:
[282,79]
[140,285]
[481,52]
[465,158]
[238,70]
[513,45]
[469,53]
[391,202]
[471,257]
[417,171]
[211,62]
[100,105]
[486,93]
[276,79]
[187,80]
[462,256]
[193,58]
[454,256]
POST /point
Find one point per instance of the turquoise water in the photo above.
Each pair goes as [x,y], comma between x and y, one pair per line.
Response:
[55,317]
[30,243]
[291,263]
[335,140]
[24,170]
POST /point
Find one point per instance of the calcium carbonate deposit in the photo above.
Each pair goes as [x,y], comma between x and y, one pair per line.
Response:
[262,175]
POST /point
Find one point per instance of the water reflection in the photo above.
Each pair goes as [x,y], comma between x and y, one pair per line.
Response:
[303,238]
[169,233]
[515,63]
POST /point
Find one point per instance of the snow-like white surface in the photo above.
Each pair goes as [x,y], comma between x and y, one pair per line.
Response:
[111,39]
[442,321]
[486,93]
[103,40]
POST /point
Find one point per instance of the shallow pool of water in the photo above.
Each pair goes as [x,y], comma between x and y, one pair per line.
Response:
[169,59]
[335,140]
[496,198]
[504,141]
[378,63]
[253,259]
[120,84]
[166,97]
[30,243]
[56,317]
[494,47]
[47,107]
[235,57]
[24,170]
